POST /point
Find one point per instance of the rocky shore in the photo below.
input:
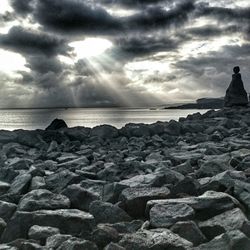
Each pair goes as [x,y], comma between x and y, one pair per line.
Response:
[169,185]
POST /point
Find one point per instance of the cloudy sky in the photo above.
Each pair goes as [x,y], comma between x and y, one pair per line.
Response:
[89,53]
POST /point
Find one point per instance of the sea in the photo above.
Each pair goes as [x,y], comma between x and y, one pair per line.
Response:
[31,119]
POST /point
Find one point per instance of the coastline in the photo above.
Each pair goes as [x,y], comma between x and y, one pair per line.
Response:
[184,183]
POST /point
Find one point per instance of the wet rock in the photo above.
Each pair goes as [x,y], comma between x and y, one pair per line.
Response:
[54,241]
[105,212]
[7,210]
[2,226]
[79,197]
[57,124]
[135,199]
[154,239]
[104,131]
[7,136]
[37,182]
[189,231]
[164,216]
[4,187]
[42,233]
[40,199]
[113,246]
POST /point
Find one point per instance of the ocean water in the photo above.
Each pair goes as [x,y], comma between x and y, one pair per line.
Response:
[31,119]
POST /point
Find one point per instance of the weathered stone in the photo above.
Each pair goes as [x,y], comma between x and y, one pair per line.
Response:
[105,212]
[7,210]
[154,239]
[77,244]
[189,231]
[164,216]
[43,199]
[42,233]
[104,131]
[113,246]
[79,197]
[53,242]
[20,185]
[4,187]
[227,221]
[2,226]
[135,199]
[37,182]
[68,221]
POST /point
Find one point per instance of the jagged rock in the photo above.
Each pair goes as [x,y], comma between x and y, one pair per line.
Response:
[189,231]
[79,197]
[164,216]
[7,247]
[228,221]
[236,94]
[68,221]
[57,124]
[42,233]
[154,239]
[4,187]
[135,199]
[232,240]
[127,227]
[2,226]
[7,210]
[105,212]
[37,182]
[7,136]
[40,199]
[53,242]
[20,185]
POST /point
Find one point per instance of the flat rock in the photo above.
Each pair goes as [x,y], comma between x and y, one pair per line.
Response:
[20,185]
[77,244]
[40,199]
[135,199]
[154,239]
[164,216]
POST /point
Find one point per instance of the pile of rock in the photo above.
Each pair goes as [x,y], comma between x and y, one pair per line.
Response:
[168,185]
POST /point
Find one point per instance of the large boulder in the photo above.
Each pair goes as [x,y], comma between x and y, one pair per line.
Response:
[104,132]
[57,124]
[20,185]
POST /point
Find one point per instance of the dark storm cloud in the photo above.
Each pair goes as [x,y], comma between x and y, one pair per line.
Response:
[31,42]
[7,17]
[158,17]
[74,16]
[144,45]
[22,6]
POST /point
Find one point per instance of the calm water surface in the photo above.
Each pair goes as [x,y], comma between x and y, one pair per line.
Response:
[40,118]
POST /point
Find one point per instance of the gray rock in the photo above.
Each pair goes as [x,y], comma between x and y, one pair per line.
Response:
[79,197]
[154,240]
[135,199]
[2,226]
[164,216]
[103,235]
[7,136]
[53,242]
[104,131]
[37,182]
[77,244]
[206,206]
[7,247]
[189,231]
[60,180]
[20,185]
[233,240]
[4,187]
[7,210]
[105,212]
[43,199]
[113,246]
[68,221]
[42,233]
[227,221]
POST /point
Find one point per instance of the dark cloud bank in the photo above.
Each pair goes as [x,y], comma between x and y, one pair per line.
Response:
[153,26]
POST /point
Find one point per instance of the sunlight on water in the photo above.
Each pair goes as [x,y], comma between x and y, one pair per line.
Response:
[40,118]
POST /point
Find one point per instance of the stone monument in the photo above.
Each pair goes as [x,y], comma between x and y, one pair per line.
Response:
[236,95]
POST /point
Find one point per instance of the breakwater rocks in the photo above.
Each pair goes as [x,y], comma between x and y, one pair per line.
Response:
[168,185]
